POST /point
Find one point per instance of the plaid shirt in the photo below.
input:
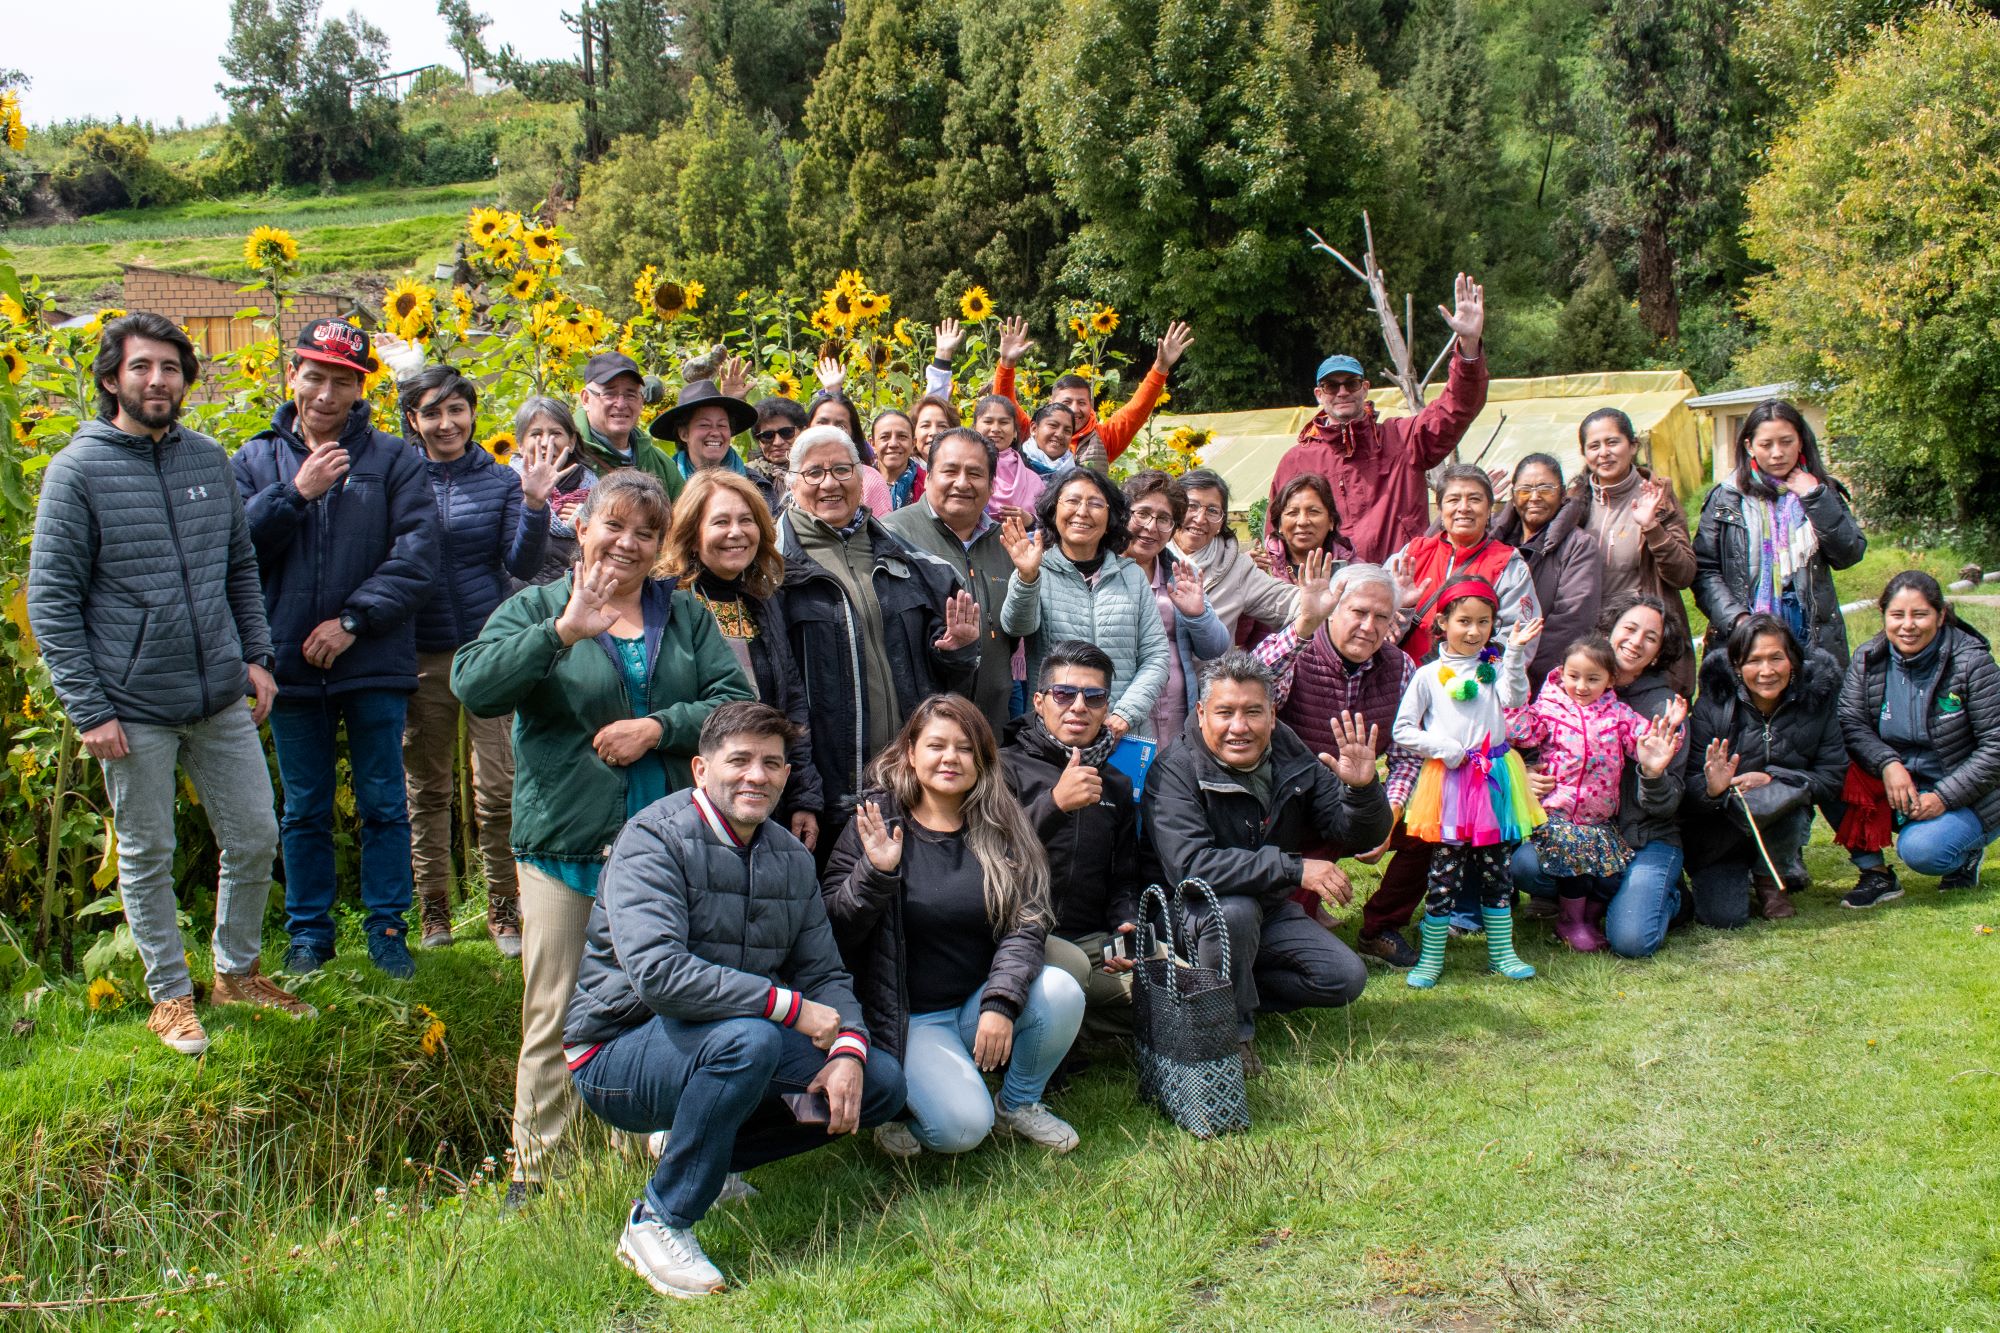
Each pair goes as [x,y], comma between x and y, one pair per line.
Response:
[1280,653]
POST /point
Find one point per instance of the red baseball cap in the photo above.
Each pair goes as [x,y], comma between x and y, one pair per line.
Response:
[337,343]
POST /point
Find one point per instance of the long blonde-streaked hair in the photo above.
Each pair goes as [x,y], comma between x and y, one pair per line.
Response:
[680,553]
[1013,866]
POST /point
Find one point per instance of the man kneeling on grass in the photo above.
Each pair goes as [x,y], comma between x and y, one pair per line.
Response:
[711,999]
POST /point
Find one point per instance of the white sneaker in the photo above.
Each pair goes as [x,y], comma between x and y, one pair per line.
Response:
[668,1258]
[1035,1123]
[894,1137]
[656,1143]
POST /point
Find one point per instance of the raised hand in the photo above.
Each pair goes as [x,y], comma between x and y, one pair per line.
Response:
[1658,744]
[1185,590]
[1647,504]
[1315,593]
[589,612]
[1356,764]
[832,374]
[539,471]
[734,377]
[1503,484]
[1467,317]
[1720,767]
[1525,632]
[950,337]
[961,623]
[1080,786]
[1024,548]
[1173,346]
[1014,341]
[882,845]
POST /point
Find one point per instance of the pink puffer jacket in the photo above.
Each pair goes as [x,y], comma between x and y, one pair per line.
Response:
[1584,749]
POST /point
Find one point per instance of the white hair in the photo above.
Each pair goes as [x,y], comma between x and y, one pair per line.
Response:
[812,437]
[1356,576]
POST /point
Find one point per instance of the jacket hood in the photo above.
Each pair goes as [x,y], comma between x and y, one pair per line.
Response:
[1819,688]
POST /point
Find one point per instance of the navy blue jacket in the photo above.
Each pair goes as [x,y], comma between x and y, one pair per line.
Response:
[368,547]
[485,531]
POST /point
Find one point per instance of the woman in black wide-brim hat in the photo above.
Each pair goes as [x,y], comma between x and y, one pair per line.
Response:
[701,424]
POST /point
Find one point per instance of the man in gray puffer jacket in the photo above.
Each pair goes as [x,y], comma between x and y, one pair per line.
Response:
[143,593]
[711,999]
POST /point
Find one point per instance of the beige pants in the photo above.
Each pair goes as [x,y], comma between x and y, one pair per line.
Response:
[553,917]
[430,742]
[1107,996]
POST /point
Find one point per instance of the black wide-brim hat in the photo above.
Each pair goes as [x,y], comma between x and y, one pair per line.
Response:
[702,393]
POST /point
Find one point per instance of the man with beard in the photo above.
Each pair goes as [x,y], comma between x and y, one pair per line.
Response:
[143,593]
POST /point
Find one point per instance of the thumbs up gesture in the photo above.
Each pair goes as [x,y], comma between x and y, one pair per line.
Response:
[1080,785]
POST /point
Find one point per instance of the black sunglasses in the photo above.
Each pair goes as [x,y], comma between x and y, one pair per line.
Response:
[1093,696]
[781,433]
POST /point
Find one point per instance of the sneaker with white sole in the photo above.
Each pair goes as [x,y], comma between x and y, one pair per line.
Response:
[894,1138]
[1035,1123]
[670,1259]
[174,1023]
[734,1186]
[656,1143]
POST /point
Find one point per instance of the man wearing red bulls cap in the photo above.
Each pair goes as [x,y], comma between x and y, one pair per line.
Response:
[346,535]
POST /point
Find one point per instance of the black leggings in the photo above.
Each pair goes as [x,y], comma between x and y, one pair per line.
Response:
[1478,870]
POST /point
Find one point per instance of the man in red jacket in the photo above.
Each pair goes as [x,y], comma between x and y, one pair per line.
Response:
[1377,467]
[1096,443]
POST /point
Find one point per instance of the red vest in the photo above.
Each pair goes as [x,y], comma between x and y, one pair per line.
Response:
[1432,563]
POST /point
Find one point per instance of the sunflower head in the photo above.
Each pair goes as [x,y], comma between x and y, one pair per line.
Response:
[1104,320]
[486,226]
[845,306]
[542,245]
[851,282]
[695,291]
[1077,328]
[12,362]
[13,130]
[669,300]
[104,994]
[786,385]
[505,252]
[824,323]
[500,444]
[100,319]
[901,333]
[409,308]
[976,306]
[523,285]
[270,248]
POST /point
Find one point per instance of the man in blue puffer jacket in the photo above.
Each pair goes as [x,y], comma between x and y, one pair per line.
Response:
[346,536]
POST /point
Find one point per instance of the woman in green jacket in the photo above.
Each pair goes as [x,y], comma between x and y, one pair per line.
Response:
[610,674]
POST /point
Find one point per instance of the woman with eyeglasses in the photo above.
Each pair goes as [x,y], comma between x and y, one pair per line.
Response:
[1196,636]
[1237,589]
[1070,582]
[1562,557]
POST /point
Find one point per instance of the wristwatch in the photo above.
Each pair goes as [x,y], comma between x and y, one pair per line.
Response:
[350,623]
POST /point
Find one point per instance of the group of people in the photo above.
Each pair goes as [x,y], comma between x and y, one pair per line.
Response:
[817,784]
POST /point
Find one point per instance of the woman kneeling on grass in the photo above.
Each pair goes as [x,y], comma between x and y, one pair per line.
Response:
[1920,711]
[939,895]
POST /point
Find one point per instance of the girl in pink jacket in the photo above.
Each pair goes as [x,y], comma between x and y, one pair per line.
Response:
[1585,735]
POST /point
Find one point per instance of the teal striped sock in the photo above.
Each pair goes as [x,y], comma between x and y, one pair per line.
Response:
[1435,930]
[1500,953]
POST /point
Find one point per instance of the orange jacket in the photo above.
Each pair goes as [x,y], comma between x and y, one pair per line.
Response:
[1114,434]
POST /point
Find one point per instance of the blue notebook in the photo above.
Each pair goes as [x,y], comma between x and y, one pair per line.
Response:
[1132,756]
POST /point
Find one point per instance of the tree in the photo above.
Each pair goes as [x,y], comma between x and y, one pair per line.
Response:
[626,72]
[1597,329]
[466,33]
[1880,220]
[1196,140]
[294,102]
[1447,92]
[1795,46]
[704,199]
[773,49]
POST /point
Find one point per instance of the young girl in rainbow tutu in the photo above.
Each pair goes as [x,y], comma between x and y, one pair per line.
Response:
[1472,798]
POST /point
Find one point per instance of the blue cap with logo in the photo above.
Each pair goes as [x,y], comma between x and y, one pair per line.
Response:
[1340,365]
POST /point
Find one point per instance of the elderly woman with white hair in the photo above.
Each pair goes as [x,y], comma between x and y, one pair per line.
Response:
[1339,656]
[876,625]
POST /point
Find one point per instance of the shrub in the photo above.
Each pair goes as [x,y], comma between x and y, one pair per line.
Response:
[111,166]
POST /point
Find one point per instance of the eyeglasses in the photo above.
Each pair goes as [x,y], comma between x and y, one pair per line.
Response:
[1094,696]
[813,476]
[1089,504]
[1210,513]
[1342,386]
[1151,518]
[1539,488]
[780,433]
[619,393]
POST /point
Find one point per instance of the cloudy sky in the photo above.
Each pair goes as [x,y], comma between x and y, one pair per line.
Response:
[153,61]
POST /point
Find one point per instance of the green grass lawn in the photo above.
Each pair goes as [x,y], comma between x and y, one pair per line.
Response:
[1785,1127]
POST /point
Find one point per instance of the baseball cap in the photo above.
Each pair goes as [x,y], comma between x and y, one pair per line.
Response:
[608,366]
[337,343]
[1340,365]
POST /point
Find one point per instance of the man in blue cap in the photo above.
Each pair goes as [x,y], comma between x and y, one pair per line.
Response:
[1376,468]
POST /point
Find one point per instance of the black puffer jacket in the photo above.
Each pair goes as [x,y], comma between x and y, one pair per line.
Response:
[912,588]
[1096,871]
[780,685]
[1722,564]
[1800,742]
[686,928]
[1568,569]
[1966,736]
[1206,824]
[866,908]
[1649,808]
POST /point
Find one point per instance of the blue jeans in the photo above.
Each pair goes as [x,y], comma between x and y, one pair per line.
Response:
[1643,902]
[1953,841]
[717,1085]
[950,1110]
[305,734]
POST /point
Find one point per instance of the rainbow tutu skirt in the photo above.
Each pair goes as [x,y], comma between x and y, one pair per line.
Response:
[1482,802]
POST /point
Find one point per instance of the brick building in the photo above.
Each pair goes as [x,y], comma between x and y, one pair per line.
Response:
[209,307]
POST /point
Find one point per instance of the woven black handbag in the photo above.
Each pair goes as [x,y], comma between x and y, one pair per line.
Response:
[1184,1018]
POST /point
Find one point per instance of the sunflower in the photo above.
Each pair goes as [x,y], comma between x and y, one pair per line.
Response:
[1104,320]
[504,253]
[1076,327]
[669,300]
[11,311]
[500,444]
[13,130]
[592,325]
[523,285]
[642,286]
[871,305]
[787,385]
[628,340]
[851,282]
[486,226]
[542,245]
[845,308]
[270,248]
[461,301]
[432,1041]
[104,994]
[901,333]
[101,318]
[13,362]
[409,309]
[695,291]
[976,306]
[824,323]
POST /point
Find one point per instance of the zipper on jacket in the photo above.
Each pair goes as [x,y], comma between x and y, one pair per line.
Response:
[187,584]
[860,692]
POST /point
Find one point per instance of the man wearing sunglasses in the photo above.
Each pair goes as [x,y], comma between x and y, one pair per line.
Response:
[1377,467]
[1057,762]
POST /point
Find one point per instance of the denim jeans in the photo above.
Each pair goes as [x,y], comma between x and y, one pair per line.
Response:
[1953,841]
[305,735]
[226,763]
[950,1110]
[1722,887]
[717,1086]
[1643,902]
